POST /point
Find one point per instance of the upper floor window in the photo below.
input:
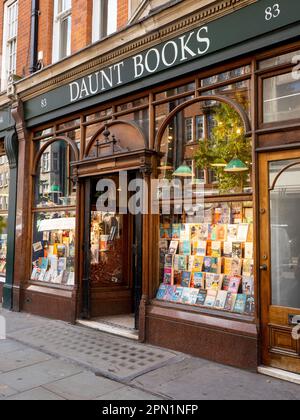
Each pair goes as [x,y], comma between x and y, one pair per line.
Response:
[105,18]
[62,29]
[10,32]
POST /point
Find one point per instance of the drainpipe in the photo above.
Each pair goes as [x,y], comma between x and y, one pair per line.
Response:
[34,36]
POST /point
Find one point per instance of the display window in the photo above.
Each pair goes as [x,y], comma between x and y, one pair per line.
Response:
[4,202]
[53,248]
[207,260]
[54,213]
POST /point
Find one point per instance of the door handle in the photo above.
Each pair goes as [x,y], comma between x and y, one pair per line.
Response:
[263,267]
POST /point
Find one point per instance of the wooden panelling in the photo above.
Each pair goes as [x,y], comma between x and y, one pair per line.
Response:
[281,340]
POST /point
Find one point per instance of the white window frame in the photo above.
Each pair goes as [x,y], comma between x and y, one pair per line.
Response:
[100,20]
[57,23]
[6,71]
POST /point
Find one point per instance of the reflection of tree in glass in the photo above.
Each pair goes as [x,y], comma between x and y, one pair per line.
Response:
[227,142]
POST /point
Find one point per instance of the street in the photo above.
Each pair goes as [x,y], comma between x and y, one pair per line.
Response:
[51,360]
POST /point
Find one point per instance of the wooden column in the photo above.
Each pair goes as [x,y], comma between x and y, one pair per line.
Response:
[22,262]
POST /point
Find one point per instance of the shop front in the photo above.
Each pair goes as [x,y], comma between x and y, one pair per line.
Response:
[222,284]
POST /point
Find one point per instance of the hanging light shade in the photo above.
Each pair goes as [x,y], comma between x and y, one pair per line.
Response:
[184,171]
[236,165]
[219,163]
[166,166]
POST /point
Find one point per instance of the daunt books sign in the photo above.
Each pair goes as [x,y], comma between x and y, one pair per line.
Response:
[170,58]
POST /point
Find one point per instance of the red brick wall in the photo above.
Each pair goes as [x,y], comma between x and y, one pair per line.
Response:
[123,11]
[81,24]
[23,46]
[81,29]
[46,30]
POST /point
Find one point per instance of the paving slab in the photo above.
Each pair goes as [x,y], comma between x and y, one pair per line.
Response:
[21,358]
[216,382]
[6,391]
[37,394]
[113,357]
[127,393]
[8,346]
[84,386]
[40,374]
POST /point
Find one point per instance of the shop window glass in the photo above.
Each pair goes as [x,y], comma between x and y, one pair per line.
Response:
[207,260]
[42,133]
[281,98]
[141,119]
[279,60]
[4,203]
[68,125]
[100,114]
[53,184]
[162,111]
[190,87]
[225,76]
[53,249]
[129,105]
[285,232]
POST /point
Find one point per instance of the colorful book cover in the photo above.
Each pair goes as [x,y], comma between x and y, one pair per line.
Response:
[214,281]
[173,247]
[237,250]
[217,216]
[230,301]
[248,215]
[221,299]
[186,296]
[226,282]
[249,251]
[232,231]
[42,275]
[182,263]
[186,279]
[210,298]
[236,267]
[248,268]
[227,266]
[71,279]
[208,215]
[250,305]
[203,232]
[44,263]
[216,265]
[234,285]
[214,232]
[164,245]
[191,260]
[240,304]
[199,280]
[243,231]
[195,232]
[161,292]
[248,285]
[54,263]
[169,293]
[216,249]
[251,233]
[221,233]
[62,265]
[185,234]
[201,248]
[165,232]
[177,295]
[176,231]
[208,248]
[177,277]
[226,216]
[193,296]
[186,247]
[198,263]
[169,261]
[168,276]
[207,263]
[201,297]
[227,252]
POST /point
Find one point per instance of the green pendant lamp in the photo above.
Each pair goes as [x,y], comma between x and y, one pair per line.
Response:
[236,165]
[184,171]
[219,163]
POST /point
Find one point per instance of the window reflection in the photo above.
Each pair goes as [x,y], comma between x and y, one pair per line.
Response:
[285,233]
[53,185]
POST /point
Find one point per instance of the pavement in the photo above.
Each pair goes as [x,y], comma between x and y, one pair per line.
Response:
[51,360]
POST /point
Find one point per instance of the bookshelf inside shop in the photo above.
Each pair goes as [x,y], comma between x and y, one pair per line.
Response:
[209,264]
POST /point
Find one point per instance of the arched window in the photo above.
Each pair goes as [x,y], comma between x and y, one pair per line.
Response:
[54,212]
[206,242]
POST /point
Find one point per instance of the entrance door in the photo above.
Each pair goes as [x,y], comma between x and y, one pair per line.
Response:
[112,270]
[280,258]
